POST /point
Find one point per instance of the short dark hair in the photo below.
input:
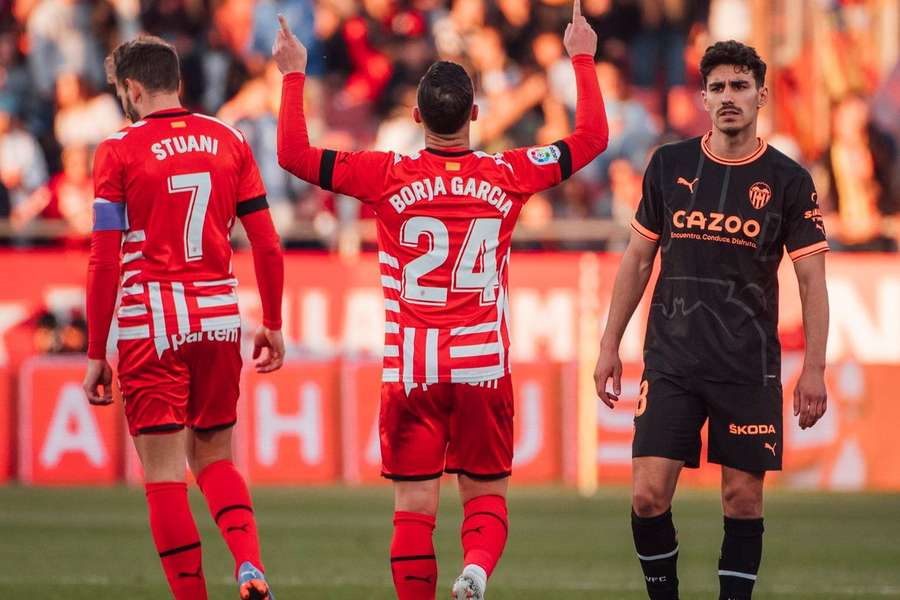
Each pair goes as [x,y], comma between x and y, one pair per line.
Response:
[733,53]
[147,59]
[445,97]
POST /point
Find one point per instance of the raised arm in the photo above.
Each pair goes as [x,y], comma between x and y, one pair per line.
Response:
[591,134]
[536,168]
[357,174]
[295,155]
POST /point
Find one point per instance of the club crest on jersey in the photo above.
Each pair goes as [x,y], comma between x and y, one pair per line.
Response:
[544,155]
[760,194]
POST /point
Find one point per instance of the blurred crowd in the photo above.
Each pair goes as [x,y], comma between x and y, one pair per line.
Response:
[366,57]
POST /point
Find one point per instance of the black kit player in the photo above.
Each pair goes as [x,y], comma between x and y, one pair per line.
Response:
[721,209]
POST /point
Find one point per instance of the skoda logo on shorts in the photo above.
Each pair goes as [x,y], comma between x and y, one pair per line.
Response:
[642,399]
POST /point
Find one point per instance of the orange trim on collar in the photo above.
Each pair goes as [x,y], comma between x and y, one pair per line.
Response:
[760,149]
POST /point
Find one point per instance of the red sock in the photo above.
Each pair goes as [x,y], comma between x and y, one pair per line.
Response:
[232,509]
[413,564]
[484,531]
[177,539]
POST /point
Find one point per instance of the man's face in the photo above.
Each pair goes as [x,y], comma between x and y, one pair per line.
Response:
[127,105]
[732,99]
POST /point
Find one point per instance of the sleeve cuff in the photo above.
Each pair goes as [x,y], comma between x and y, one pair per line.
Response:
[805,251]
[582,59]
[273,325]
[294,77]
[643,231]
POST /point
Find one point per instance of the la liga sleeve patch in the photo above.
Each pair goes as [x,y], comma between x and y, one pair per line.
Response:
[544,155]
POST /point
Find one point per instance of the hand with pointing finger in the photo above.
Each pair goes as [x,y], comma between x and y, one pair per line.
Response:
[579,37]
[288,52]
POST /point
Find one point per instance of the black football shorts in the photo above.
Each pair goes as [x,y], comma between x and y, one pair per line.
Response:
[745,422]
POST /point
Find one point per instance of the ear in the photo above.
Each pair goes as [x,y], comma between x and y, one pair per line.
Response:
[134,90]
[763,97]
[705,100]
[416,115]
[474,112]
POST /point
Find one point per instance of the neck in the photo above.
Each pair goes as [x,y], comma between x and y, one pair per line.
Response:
[738,145]
[460,139]
[160,102]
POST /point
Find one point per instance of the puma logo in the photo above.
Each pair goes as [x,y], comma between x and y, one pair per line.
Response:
[473,530]
[238,528]
[688,184]
[771,447]
[198,574]
[427,579]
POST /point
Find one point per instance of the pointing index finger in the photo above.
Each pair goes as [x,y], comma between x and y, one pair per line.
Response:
[284,24]
[576,10]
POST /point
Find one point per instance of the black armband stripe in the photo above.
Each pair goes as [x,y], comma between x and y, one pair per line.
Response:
[245,207]
[565,159]
[326,170]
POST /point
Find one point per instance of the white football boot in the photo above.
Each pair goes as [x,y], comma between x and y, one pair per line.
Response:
[470,585]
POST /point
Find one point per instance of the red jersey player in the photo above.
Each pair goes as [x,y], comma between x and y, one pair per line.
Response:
[445,218]
[172,185]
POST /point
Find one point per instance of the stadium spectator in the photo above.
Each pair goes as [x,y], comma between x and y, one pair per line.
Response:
[254,110]
[22,166]
[632,130]
[82,117]
[66,197]
[366,55]
[61,39]
[859,164]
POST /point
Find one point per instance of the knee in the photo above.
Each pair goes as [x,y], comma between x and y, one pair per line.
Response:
[469,488]
[416,497]
[649,502]
[741,503]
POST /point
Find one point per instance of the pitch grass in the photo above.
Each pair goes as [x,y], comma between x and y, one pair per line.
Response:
[331,543]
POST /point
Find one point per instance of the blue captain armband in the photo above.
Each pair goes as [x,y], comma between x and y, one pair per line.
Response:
[109,216]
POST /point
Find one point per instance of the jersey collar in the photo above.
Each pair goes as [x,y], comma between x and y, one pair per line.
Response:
[167,113]
[441,152]
[732,162]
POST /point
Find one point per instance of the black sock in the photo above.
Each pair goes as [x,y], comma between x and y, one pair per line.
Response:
[739,562]
[657,548]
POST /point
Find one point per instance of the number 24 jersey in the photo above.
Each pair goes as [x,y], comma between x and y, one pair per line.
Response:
[445,222]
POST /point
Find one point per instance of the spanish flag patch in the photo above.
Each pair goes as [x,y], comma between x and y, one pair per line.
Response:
[178,124]
[452,166]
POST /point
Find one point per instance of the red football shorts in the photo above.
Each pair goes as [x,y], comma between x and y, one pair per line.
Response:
[194,383]
[454,427]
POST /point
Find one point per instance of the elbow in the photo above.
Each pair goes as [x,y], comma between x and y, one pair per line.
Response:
[284,159]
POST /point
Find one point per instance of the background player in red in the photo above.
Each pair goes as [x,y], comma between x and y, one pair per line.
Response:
[445,218]
[721,209]
[167,191]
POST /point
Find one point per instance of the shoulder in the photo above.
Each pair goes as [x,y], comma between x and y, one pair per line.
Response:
[673,153]
[220,126]
[115,139]
[787,170]
[678,148]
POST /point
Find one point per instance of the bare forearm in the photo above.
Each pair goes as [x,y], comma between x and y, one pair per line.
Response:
[631,281]
[814,298]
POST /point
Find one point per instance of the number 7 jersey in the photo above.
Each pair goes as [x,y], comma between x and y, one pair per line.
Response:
[174,183]
[445,222]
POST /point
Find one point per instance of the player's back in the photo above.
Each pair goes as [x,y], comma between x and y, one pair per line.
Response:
[445,223]
[180,177]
